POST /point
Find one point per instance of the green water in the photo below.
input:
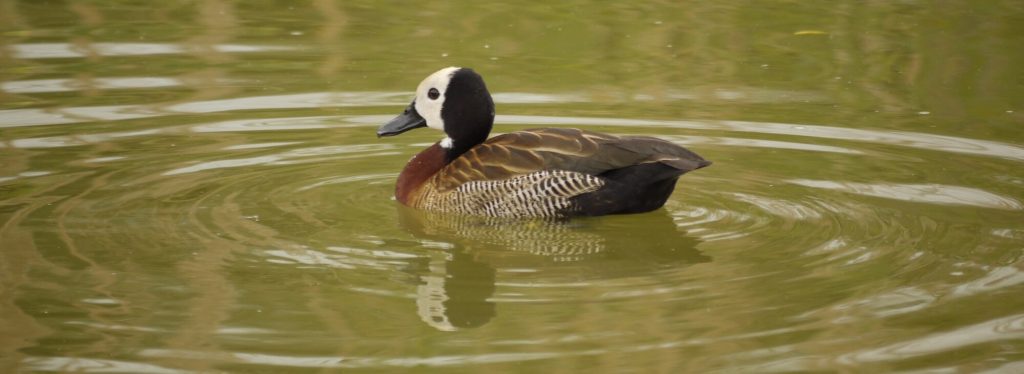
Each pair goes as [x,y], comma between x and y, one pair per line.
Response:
[196,187]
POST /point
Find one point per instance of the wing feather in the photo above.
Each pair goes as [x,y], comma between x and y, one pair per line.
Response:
[524,152]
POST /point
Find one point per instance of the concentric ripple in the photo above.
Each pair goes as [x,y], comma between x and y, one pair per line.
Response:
[294,216]
[193,187]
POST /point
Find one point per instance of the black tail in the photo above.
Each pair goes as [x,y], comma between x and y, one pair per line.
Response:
[635,189]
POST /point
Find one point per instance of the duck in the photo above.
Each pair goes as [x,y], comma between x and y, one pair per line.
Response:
[535,173]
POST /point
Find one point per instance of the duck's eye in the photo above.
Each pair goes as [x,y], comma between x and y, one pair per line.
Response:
[433,94]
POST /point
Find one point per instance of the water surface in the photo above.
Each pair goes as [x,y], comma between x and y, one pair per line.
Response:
[198,187]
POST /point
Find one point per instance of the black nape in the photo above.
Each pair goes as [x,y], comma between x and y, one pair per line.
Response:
[468,111]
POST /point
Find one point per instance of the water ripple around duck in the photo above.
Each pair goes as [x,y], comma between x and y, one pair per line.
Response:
[305,201]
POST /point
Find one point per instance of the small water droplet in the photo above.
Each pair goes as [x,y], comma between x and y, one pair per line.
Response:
[923,112]
[444,55]
[296,33]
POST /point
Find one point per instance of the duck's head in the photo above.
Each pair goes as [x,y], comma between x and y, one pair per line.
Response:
[454,100]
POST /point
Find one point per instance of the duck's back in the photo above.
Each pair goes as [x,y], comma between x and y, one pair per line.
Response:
[558,172]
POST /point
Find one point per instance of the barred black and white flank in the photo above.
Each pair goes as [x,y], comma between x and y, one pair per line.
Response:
[531,173]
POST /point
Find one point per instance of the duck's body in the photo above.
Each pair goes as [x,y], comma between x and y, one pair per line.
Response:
[531,173]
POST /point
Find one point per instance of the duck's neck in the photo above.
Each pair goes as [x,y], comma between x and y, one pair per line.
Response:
[468,113]
[420,168]
[457,148]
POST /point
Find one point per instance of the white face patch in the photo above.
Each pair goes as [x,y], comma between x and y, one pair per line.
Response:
[430,109]
[446,143]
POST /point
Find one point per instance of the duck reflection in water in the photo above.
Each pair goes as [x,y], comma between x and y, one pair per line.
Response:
[456,287]
[455,293]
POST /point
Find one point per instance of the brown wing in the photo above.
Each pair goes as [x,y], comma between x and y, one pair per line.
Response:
[523,152]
